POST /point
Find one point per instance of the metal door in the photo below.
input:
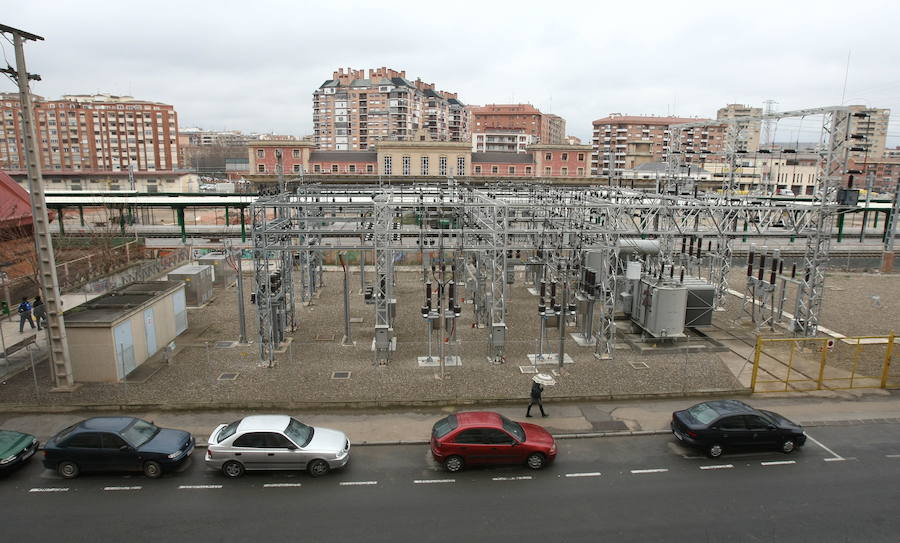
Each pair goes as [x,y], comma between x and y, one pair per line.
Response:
[179,305]
[150,331]
[124,345]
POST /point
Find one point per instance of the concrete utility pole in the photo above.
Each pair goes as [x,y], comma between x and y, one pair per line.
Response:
[59,347]
[890,232]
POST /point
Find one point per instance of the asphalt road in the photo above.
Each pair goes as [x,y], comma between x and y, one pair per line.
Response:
[641,488]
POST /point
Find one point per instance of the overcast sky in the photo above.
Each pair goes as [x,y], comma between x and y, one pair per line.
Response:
[253,66]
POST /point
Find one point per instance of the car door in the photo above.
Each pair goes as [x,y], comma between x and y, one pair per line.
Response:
[503,448]
[250,449]
[116,454]
[764,433]
[83,449]
[469,444]
[282,454]
[733,432]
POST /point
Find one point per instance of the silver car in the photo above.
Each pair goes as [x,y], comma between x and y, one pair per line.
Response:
[275,442]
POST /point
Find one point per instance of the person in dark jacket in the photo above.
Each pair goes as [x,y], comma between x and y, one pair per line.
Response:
[536,390]
[25,315]
[39,310]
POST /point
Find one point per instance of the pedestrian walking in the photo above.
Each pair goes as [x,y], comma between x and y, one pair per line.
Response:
[537,389]
[25,314]
[39,310]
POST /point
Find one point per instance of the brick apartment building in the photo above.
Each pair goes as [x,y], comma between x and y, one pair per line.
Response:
[651,135]
[352,110]
[751,129]
[523,118]
[872,124]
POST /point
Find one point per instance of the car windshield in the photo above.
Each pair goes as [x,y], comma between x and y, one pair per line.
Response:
[444,426]
[703,413]
[139,433]
[227,432]
[299,433]
[513,428]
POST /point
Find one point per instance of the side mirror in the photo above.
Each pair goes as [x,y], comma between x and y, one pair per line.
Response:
[124,448]
[292,447]
[771,427]
[514,443]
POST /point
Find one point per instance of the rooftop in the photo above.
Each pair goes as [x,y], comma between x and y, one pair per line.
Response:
[118,304]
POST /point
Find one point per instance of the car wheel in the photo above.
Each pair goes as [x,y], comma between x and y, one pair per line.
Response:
[454,463]
[233,469]
[318,468]
[152,470]
[536,460]
[788,446]
[714,451]
[68,470]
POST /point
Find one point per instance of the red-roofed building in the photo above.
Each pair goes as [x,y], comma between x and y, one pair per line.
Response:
[15,205]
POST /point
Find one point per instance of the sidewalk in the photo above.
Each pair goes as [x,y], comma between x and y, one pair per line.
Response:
[565,420]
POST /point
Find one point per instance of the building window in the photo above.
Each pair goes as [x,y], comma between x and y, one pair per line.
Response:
[296,168]
[317,168]
[388,166]
[564,171]
[547,170]
[334,168]
[527,170]
[580,172]
[261,168]
[424,165]
[511,170]
[405,165]
[461,165]
[565,156]
[260,153]
[351,168]
[477,169]
[442,166]
[548,156]
[296,153]
[495,169]
[580,157]
[369,168]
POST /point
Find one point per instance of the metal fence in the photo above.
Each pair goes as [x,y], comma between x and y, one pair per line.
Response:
[143,272]
[804,364]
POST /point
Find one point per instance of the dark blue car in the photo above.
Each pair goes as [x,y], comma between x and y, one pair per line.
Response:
[117,444]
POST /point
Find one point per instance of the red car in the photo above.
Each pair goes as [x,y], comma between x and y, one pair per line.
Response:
[483,437]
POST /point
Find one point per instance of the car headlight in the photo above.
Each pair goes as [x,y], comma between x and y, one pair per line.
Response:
[7,460]
[175,454]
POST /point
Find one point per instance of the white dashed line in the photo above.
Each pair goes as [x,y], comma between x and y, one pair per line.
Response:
[282,485]
[829,451]
[520,478]
[54,489]
[357,483]
[719,466]
[834,459]
[122,488]
[588,474]
[657,470]
[892,456]
[778,463]
[198,487]
[433,481]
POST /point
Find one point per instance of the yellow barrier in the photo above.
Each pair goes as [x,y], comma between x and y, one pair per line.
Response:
[803,364]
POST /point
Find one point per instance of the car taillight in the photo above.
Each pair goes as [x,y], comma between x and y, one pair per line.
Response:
[208,453]
[692,434]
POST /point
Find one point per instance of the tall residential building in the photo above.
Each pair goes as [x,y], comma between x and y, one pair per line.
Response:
[622,132]
[90,134]
[508,141]
[750,129]
[351,111]
[872,124]
[548,129]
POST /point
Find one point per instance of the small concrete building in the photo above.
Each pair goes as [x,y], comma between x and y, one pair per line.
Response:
[198,283]
[112,335]
[223,274]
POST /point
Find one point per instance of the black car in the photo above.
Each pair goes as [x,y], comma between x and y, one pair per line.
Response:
[117,444]
[717,426]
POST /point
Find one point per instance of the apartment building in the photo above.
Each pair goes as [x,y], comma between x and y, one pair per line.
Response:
[872,125]
[750,130]
[616,131]
[84,134]
[507,141]
[352,110]
[525,118]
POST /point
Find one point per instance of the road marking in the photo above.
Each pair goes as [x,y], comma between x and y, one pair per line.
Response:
[357,483]
[892,456]
[778,463]
[834,459]
[52,489]
[718,466]
[588,474]
[198,487]
[433,481]
[281,485]
[122,488]
[829,451]
[656,470]
[519,478]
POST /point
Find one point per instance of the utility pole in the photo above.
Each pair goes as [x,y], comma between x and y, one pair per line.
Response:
[890,232]
[59,347]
